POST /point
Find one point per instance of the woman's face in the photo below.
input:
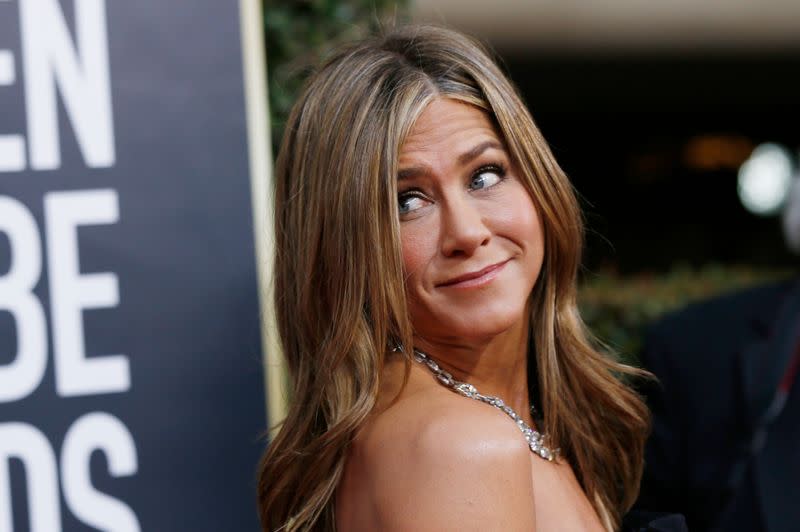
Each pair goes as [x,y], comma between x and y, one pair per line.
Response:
[471,236]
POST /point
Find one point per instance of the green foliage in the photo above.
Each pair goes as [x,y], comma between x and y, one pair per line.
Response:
[619,309]
[300,32]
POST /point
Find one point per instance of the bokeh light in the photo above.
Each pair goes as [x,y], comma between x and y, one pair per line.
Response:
[765,178]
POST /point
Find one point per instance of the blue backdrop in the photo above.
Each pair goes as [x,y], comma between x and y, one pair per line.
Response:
[131,390]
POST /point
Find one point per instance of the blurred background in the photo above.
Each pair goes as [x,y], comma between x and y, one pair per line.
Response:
[676,121]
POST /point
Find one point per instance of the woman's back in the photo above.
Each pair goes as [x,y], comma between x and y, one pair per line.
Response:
[434,460]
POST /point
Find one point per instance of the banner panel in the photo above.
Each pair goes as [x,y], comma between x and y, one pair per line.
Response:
[131,389]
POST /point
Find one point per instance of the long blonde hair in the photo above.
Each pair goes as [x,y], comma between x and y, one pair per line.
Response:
[339,292]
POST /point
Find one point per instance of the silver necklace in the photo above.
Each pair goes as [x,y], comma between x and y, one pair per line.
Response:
[535,439]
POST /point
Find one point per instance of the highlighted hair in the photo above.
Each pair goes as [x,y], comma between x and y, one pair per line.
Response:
[339,291]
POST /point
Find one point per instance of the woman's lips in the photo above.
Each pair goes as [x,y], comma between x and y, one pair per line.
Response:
[476,278]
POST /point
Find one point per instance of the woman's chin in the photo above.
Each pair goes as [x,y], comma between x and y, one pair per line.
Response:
[472,326]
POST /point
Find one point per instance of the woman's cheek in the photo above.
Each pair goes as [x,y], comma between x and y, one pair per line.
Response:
[415,251]
[520,219]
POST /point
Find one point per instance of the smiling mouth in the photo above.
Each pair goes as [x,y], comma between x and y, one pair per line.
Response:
[476,278]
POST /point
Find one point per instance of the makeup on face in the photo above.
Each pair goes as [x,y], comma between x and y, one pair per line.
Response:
[471,236]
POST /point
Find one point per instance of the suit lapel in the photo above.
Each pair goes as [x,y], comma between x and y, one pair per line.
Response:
[762,362]
[776,467]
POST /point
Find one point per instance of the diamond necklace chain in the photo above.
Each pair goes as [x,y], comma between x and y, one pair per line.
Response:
[535,439]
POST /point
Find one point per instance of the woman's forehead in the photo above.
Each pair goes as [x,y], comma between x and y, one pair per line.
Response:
[447,124]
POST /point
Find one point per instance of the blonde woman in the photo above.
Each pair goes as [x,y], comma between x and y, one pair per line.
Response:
[427,250]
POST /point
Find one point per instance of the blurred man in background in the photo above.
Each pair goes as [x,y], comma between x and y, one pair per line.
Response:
[725,447]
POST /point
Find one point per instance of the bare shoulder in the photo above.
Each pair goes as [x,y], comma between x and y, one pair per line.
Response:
[439,461]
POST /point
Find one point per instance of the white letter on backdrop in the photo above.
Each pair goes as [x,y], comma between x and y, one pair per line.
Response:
[71,292]
[26,443]
[82,76]
[21,377]
[12,147]
[91,432]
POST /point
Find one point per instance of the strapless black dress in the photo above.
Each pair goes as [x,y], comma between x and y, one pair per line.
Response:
[644,521]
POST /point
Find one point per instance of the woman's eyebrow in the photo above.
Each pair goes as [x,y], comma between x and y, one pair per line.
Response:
[467,156]
[462,159]
[408,173]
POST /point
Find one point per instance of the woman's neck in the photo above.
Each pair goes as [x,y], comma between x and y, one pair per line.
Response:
[496,366]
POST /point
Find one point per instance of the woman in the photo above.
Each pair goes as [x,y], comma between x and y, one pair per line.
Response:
[426,236]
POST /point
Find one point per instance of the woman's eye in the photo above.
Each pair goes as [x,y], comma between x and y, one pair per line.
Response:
[486,177]
[409,202]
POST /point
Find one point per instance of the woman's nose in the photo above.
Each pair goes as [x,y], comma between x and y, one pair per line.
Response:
[463,228]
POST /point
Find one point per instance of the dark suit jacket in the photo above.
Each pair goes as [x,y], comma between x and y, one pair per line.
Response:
[718,363]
